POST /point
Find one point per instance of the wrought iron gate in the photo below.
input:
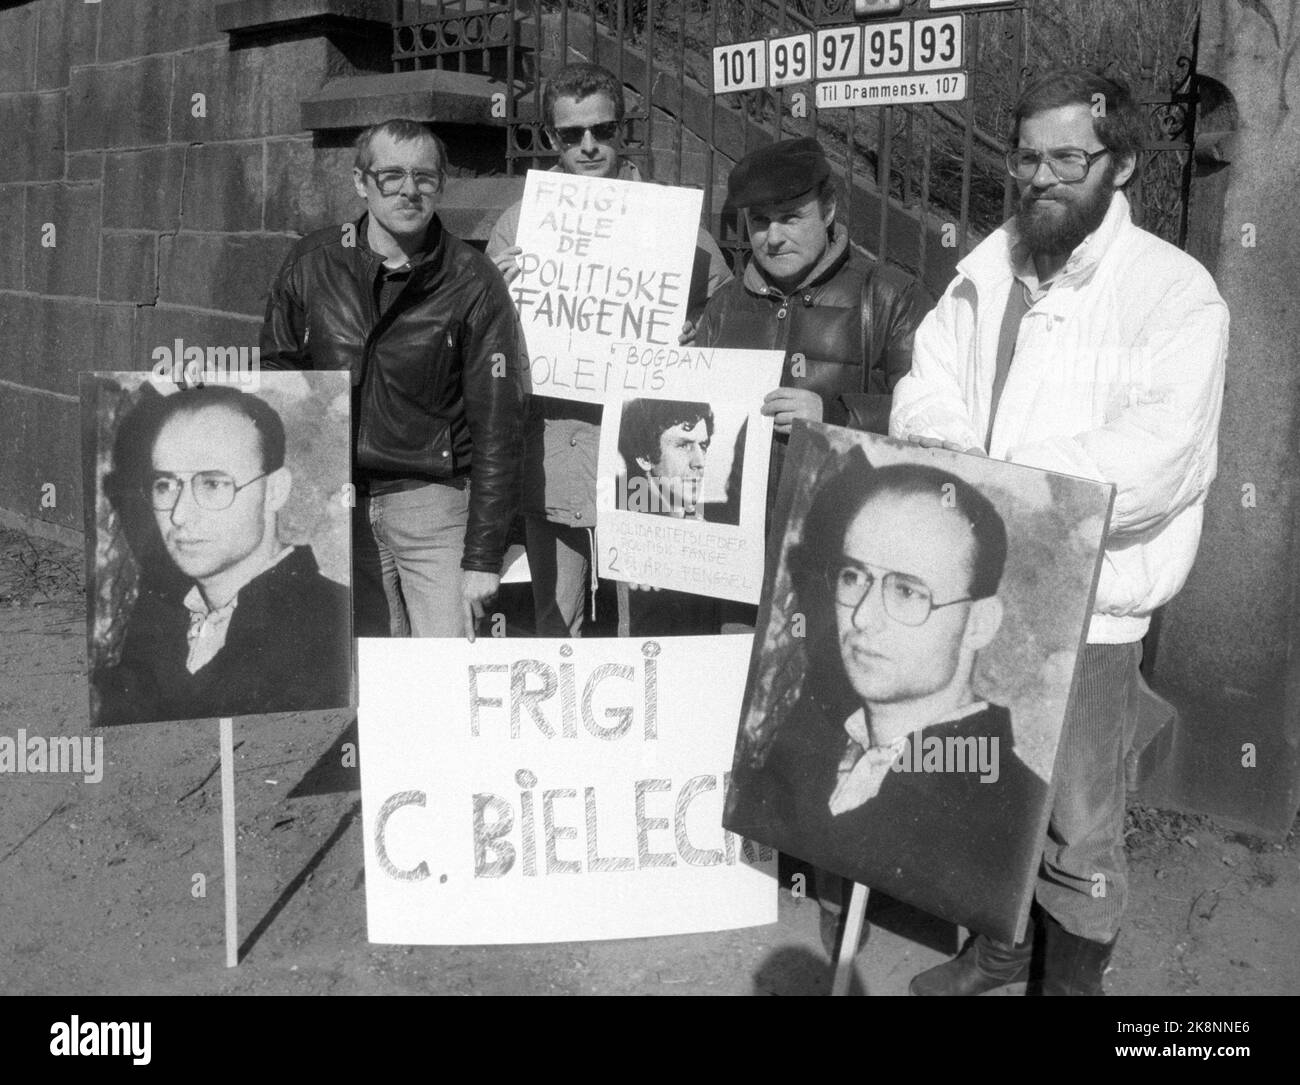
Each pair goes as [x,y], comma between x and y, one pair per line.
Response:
[923,183]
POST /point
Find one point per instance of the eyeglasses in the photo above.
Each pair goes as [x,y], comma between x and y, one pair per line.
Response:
[571,136]
[391,181]
[907,599]
[212,490]
[1069,165]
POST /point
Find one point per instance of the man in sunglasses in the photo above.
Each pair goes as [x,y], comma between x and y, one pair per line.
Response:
[425,326]
[233,622]
[583,109]
[1072,340]
[891,769]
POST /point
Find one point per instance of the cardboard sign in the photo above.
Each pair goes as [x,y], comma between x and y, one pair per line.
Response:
[551,790]
[179,492]
[682,481]
[915,649]
[605,269]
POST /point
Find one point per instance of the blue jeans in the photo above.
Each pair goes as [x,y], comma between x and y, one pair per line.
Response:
[406,551]
[1083,880]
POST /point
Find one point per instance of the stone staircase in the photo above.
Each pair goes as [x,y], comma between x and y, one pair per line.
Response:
[673,117]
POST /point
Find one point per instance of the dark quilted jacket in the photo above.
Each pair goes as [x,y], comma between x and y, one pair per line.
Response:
[847,334]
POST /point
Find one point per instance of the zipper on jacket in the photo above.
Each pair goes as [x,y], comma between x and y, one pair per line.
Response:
[783,318]
[367,348]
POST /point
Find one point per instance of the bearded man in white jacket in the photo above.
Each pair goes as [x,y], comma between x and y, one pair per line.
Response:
[1074,341]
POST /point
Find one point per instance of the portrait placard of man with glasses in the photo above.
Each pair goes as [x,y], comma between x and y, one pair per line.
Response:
[877,743]
[1072,340]
[227,619]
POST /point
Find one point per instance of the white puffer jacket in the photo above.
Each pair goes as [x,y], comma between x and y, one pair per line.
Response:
[1118,376]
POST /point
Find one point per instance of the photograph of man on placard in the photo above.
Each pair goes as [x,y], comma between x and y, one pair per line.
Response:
[673,464]
[909,682]
[207,596]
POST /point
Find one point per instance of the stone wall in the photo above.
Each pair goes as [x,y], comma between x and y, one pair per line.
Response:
[1227,651]
[154,173]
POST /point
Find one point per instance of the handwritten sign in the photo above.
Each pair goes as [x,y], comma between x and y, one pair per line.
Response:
[682,480]
[551,790]
[605,271]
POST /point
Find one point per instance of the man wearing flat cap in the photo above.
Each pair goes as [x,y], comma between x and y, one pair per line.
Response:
[844,320]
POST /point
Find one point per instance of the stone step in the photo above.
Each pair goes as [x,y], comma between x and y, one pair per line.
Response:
[245,15]
[440,97]
[431,10]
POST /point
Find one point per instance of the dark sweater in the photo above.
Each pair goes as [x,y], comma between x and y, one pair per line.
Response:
[945,842]
[288,648]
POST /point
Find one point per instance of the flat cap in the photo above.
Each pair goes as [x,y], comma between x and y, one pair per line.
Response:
[777,172]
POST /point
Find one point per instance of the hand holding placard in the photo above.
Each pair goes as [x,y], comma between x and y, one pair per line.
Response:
[602,268]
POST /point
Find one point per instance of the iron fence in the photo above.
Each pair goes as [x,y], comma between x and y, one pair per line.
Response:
[921,184]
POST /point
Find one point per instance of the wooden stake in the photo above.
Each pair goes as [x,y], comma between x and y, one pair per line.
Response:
[228,838]
[849,940]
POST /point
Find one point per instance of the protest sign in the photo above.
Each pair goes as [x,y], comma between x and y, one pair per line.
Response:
[682,480]
[914,655]
[550,790]
[605,266]
[186,484]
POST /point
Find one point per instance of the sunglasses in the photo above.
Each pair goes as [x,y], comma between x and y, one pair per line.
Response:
[601,133]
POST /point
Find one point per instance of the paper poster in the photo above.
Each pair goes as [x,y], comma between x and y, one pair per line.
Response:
[605,268]
[913,659]
[552,790]
[682,481]
[217,531]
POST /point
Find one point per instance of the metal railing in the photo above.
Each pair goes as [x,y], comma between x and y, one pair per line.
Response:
[922,183]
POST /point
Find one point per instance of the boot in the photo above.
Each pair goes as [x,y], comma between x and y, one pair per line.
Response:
[982,965]
[1074,965]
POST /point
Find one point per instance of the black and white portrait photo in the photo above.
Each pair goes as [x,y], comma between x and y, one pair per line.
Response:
[682,477]
[913,659]
[219,534]
[678,462]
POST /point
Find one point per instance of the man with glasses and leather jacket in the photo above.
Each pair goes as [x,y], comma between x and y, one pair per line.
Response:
[235,623]
[425,326]
[583,108]
[1073,341]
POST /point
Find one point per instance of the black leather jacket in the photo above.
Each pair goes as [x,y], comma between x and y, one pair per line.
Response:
[437,389]
[847,332]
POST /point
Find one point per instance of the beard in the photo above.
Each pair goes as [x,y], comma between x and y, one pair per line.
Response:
[1056,226]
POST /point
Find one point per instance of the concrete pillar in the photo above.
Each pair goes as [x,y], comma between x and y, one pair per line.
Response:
[1227,648]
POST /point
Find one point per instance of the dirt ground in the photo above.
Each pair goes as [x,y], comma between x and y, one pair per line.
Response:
[98,880]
